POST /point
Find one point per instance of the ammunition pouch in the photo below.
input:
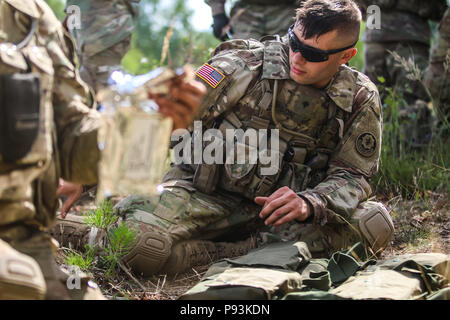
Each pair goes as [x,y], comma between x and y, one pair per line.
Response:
[206,177]
[20,110]
[375,224]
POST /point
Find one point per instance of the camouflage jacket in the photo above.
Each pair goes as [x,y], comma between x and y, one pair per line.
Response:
[218,6]
[33,42]
[104,23]
[403,20]
[344,120]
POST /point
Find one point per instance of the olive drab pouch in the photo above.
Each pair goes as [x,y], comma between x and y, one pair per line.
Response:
[264,273]
[20,109]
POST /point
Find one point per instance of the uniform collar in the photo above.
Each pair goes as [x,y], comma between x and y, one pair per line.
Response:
[276,60]
[342,86]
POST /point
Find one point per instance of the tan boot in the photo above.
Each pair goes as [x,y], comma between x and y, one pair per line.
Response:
[191,253]
[73,233]
[20,275]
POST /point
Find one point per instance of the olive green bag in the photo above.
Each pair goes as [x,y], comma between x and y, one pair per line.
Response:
[285,270]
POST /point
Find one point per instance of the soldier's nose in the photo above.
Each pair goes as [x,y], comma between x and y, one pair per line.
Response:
[298,58]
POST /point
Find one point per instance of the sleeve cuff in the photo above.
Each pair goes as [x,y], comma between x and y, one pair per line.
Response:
[318,207]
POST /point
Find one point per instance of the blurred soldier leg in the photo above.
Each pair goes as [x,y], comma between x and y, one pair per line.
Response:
[20,275]
[256,21]
[416,117]
[437,74]
[39,247]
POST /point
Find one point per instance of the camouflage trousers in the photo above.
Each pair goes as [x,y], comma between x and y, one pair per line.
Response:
[255,21]
[415,116]
[186,214]
[96,70]
[437,74]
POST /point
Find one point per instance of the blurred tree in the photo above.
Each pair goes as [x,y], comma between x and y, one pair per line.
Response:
[186,44]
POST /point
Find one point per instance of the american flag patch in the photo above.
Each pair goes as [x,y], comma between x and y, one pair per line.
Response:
[211,75]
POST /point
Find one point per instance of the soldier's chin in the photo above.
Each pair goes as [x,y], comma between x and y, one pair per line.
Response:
[300,78]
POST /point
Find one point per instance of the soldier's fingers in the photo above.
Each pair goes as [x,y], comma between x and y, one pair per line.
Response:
[192,99]
[69,203]
[173,106]
[272,206]
[260,200]
[194,86]
[278,193]
[278,214]
[287,218]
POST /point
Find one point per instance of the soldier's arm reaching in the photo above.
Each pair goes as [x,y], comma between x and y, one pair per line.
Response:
[353,163]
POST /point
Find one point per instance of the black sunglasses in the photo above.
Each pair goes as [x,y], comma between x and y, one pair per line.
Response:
[311,54]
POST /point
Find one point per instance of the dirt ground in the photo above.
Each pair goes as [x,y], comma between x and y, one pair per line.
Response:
[420,226]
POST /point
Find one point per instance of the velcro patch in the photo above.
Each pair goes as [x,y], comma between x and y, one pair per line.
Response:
[210,75]
[366,144]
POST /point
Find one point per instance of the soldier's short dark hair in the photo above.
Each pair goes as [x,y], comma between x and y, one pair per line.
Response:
[318,17]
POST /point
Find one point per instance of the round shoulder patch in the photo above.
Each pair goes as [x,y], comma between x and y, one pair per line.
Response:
[366,144]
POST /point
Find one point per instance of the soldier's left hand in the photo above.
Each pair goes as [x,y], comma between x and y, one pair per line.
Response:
[72,192]
[283,206]
[183,101]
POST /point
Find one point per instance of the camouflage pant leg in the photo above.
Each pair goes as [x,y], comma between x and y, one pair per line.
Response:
[257,21]
[183,214]
[321,241]
[437,74]
[95,70]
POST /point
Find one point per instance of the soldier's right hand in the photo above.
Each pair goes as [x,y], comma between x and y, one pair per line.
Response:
[183,101]
[219,22]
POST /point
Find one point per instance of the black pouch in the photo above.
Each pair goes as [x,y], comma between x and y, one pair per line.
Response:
[19,110]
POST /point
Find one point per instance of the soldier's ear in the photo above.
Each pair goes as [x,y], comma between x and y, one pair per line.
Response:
[347,55]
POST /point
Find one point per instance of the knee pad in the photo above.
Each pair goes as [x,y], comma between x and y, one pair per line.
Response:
[20,275]
[375,223]
[149,253]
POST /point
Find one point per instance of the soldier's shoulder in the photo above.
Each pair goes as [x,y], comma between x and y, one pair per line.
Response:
[366,91]
[246,54]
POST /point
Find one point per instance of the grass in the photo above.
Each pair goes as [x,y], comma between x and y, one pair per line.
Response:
[118,236]
[405,169]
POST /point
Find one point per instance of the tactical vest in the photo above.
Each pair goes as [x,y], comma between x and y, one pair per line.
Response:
[310,126]
[27,141]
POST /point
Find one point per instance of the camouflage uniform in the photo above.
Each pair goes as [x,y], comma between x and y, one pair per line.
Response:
[48,132]
[258,18]
[328,166]
[437,74]
[104,37]
[404,29]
